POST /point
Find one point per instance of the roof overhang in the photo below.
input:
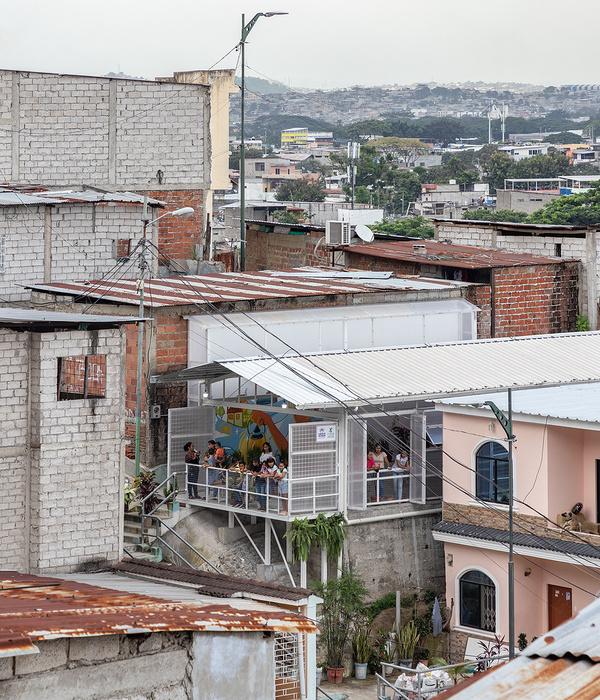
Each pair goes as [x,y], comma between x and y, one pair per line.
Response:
[378,377]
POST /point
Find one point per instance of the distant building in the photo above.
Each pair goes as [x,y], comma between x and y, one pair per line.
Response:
[303,138]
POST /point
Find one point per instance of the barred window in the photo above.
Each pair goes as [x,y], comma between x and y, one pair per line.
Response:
[82,377]
[477,601]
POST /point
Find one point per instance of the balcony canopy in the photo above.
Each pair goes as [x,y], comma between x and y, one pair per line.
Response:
[419,372]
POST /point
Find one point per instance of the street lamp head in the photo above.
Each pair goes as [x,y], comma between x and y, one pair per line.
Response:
[184,211]
[272,14]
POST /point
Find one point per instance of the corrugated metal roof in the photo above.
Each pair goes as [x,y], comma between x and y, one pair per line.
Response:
[428,372]
[212,288]
[221,585]
[521,539]
[447,254]
[34,319]
[20,198]
[34,608]
[560,665]
[511,225]
[574,403]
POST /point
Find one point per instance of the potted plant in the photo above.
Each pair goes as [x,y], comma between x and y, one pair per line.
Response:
[361,648]
[407,641]
[145,488]
[192,261]
[170,491]
[129,494]
[343,602]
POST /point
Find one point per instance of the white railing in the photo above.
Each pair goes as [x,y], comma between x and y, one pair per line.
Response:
[386,486]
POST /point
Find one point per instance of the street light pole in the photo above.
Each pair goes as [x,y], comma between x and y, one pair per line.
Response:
[246,29]
[506,423]
[185,211]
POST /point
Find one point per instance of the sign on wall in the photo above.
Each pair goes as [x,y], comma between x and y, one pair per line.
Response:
[326,433]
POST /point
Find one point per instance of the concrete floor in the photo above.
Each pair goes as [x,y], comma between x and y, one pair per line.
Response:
[353,689]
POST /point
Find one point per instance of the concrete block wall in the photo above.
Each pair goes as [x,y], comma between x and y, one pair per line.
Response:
[64,129]
[14,361]
[151,666]
[75,457]
[83,243]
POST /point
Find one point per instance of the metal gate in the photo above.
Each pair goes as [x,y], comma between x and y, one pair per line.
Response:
[313,473]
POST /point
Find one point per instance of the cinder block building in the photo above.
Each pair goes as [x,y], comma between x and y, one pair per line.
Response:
[61,411]
[164,138]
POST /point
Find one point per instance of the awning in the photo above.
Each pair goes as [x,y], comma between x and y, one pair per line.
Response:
[424,372]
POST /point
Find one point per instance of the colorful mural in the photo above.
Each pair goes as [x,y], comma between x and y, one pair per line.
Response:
[246,430]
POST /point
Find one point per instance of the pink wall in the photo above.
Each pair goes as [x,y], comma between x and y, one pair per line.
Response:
[531,592]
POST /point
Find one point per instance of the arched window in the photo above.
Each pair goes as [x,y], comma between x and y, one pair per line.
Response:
[477,601]
[491,465]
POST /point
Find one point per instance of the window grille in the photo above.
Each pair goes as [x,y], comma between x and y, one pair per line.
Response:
[478,601]
[287,666]
[81,377]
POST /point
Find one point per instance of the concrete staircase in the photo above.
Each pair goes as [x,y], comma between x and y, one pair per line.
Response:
[132,535]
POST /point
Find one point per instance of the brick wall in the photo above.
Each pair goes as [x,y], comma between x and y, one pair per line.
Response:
[481,296]
[276,251]
[177,235]
[535,299]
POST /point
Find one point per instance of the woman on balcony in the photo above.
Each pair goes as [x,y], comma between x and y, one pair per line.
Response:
[381,462]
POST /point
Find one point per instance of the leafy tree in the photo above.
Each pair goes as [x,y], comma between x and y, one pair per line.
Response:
[551,165]
[289,217]
[300,190]
[406,150]
[574,209]
[416,227]
[498,169]
[361,195]
[496,215]
[564,137]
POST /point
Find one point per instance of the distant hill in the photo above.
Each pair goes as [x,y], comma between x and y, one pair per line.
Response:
[263,87]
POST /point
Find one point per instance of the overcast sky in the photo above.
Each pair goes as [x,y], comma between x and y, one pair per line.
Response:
[320,44]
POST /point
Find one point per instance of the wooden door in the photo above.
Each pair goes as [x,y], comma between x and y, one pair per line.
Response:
[560,605]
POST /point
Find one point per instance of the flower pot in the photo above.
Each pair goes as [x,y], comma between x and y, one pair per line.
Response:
[406,663]
[360,671]
[335,675]
[319,671]
[173,507]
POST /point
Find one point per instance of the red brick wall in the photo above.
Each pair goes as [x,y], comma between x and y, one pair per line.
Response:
[480,295]
[536,299]
[277,251]
[178,234]
[370,262]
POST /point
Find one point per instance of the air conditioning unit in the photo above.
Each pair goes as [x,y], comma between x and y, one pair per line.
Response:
[338,233]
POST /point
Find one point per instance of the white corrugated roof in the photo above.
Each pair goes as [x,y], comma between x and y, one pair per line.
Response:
[428,372]
[578,402]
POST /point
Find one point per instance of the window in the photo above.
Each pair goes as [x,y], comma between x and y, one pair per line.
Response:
[121,248]
[259,167]
[477,601]
[491,466]
[81,377]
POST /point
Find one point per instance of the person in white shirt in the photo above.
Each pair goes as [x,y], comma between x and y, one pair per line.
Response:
[401,469]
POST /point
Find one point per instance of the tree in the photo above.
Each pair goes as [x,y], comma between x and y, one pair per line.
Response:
[496,215]
[498,169]
[300,190]
[564,137]
[573,209]
[416,227]
[234,158]
[404,150]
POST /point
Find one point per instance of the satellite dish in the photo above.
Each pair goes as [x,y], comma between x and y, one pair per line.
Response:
[365,233]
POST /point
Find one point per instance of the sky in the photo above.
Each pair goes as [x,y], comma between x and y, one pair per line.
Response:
[319,44]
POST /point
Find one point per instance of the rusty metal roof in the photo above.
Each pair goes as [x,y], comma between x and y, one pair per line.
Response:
[213,288]
[447,254]
[34,608]
[210,583]
[563,663]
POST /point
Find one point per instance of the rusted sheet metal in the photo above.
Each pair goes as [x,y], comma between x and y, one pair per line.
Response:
[34,608]
[10,198]
[204,289]
[558,679]
[446,254]
[15,644]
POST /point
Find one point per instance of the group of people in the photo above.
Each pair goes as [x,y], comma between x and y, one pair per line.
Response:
[263,475]
[378,461]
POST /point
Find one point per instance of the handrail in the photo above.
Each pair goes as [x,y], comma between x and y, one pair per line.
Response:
[174,493]
[320,690]
[161,523]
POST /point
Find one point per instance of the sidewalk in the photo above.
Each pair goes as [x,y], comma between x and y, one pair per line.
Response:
[351,688]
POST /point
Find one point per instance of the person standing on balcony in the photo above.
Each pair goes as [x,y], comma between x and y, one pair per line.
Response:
[282,486]
[381,462]
[192,461]
[261,485]
[266,453]
[401,469]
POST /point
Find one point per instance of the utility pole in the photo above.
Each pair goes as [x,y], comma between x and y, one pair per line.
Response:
[138,388]
[353,154]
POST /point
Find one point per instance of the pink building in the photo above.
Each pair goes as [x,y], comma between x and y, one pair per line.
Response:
[556,462]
